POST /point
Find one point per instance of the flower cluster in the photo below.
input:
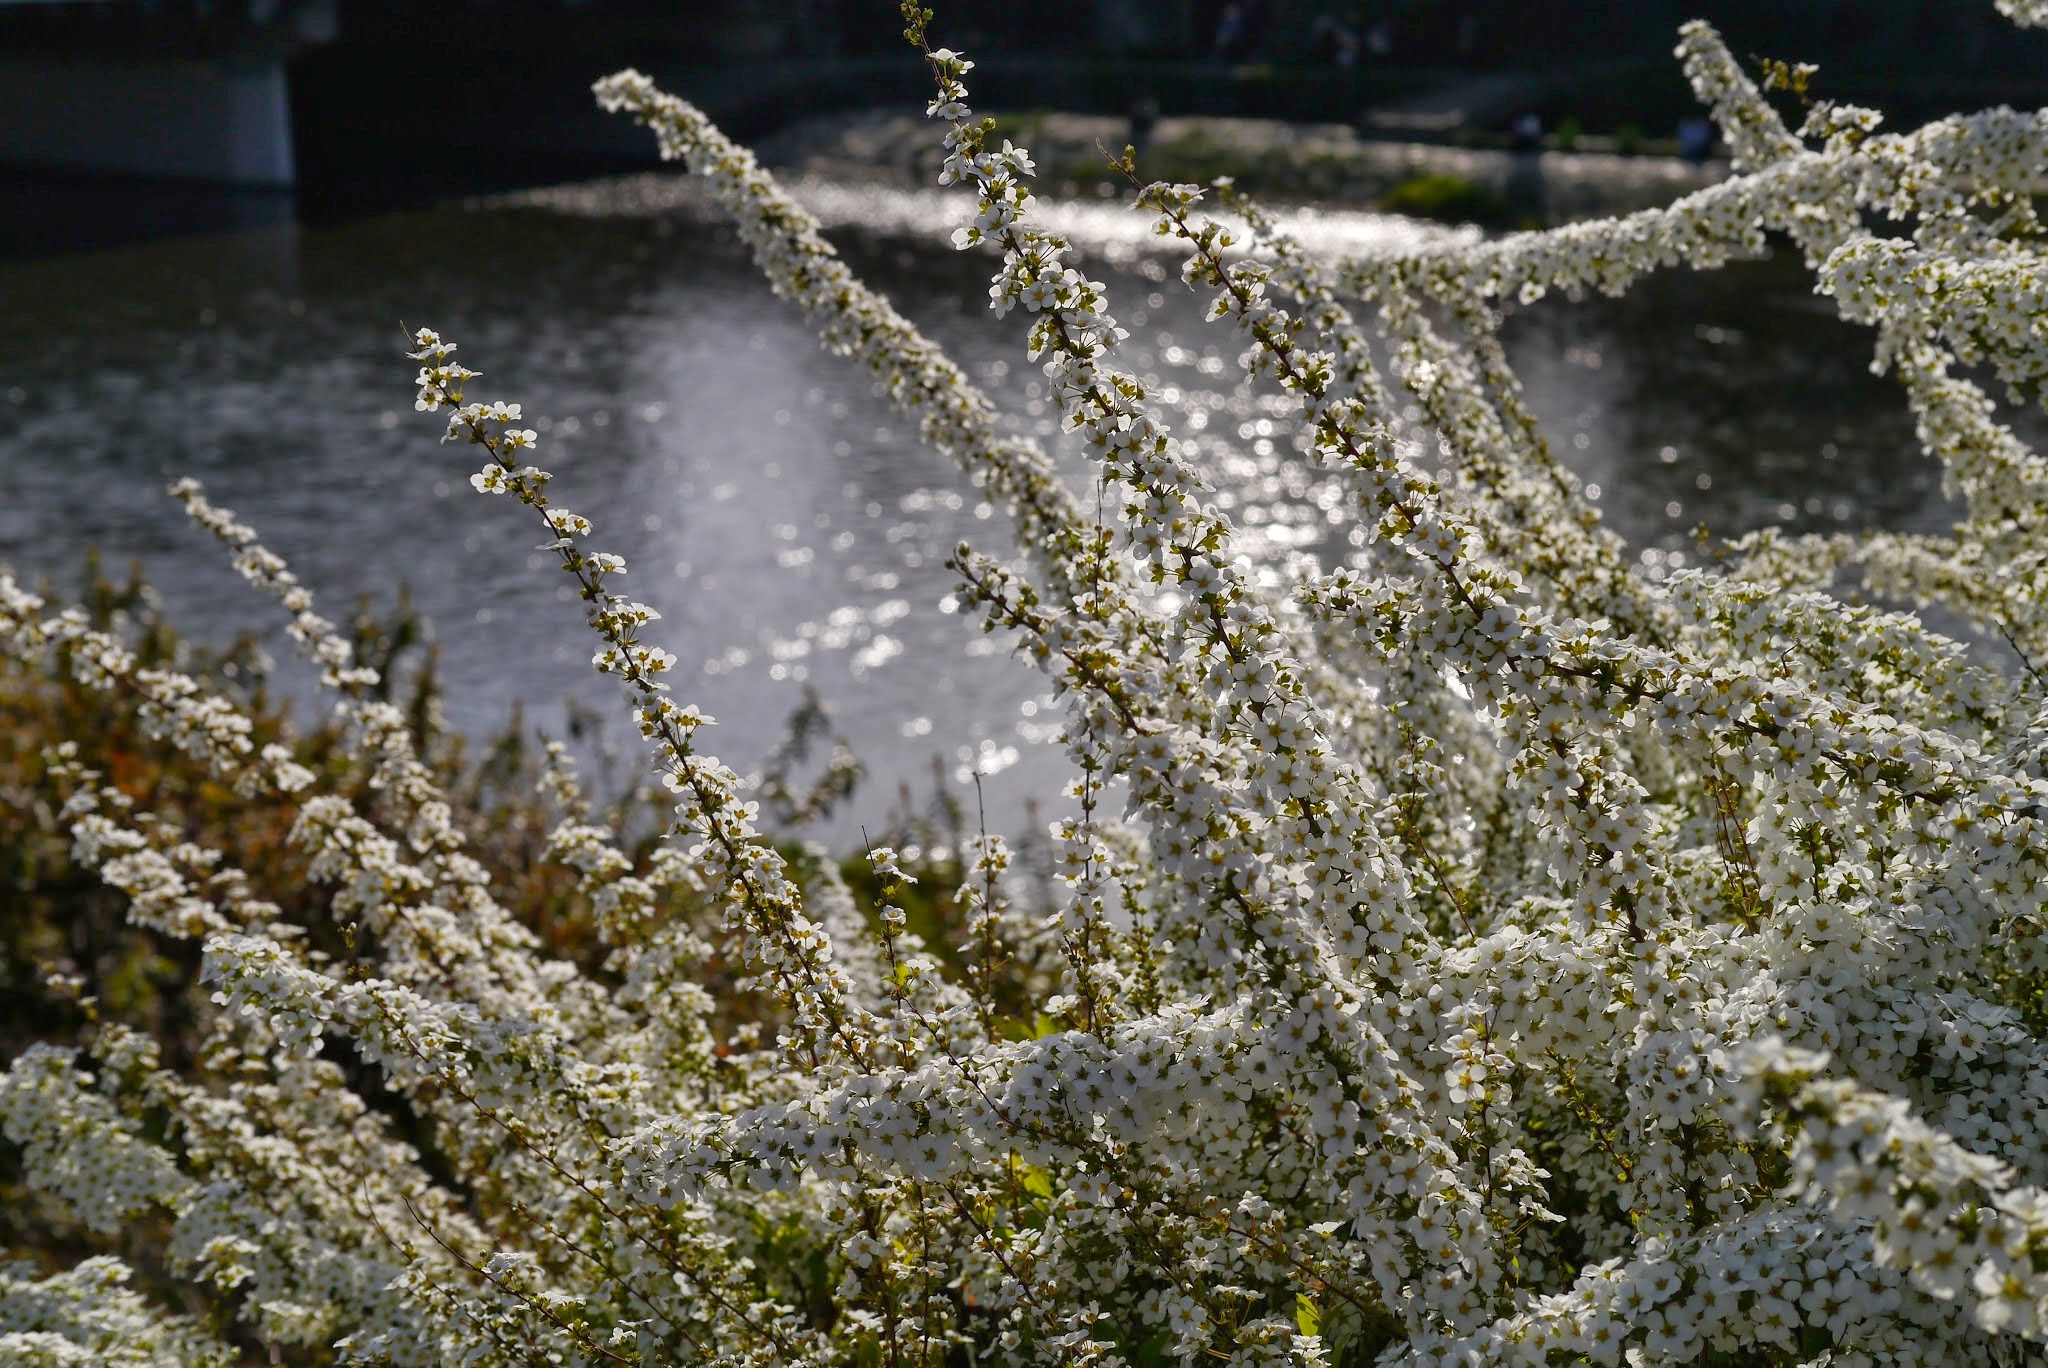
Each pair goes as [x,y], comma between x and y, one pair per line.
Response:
[1470,947]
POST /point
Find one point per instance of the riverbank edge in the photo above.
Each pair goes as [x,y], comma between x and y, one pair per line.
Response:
[1288,163]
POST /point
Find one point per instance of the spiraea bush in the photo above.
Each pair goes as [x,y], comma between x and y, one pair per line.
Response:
[1474,950]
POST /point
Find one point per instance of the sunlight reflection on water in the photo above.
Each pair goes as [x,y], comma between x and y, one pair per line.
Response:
[789,526]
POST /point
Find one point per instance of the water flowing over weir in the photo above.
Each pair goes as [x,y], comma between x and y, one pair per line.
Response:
[789,528]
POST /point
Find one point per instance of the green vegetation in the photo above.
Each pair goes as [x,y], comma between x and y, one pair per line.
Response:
[1446,198]
[70,959]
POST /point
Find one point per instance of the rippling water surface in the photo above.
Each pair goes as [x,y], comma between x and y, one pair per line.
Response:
[789,527]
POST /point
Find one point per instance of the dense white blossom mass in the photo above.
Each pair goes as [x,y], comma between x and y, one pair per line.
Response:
[1472,950]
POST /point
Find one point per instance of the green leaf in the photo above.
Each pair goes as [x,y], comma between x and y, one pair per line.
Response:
[1152,1353]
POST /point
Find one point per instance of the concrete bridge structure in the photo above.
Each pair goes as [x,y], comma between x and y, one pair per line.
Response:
[191,91]
[355,100]
[352,100]
[218,91]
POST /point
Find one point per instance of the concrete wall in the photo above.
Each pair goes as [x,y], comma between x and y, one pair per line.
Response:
[226,122]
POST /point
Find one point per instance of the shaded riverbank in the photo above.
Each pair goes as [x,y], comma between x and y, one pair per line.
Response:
[44,214]
[1332,164]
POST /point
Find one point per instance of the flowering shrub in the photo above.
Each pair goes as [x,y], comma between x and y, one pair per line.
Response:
[1475,951]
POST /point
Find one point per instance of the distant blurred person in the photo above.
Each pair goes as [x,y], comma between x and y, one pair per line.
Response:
[1695,139]
[1144,118]
[1348,46]
[1334,42]
[1322,38]
[1230,31]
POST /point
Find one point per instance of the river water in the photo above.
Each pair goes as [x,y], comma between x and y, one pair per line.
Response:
[791,529]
